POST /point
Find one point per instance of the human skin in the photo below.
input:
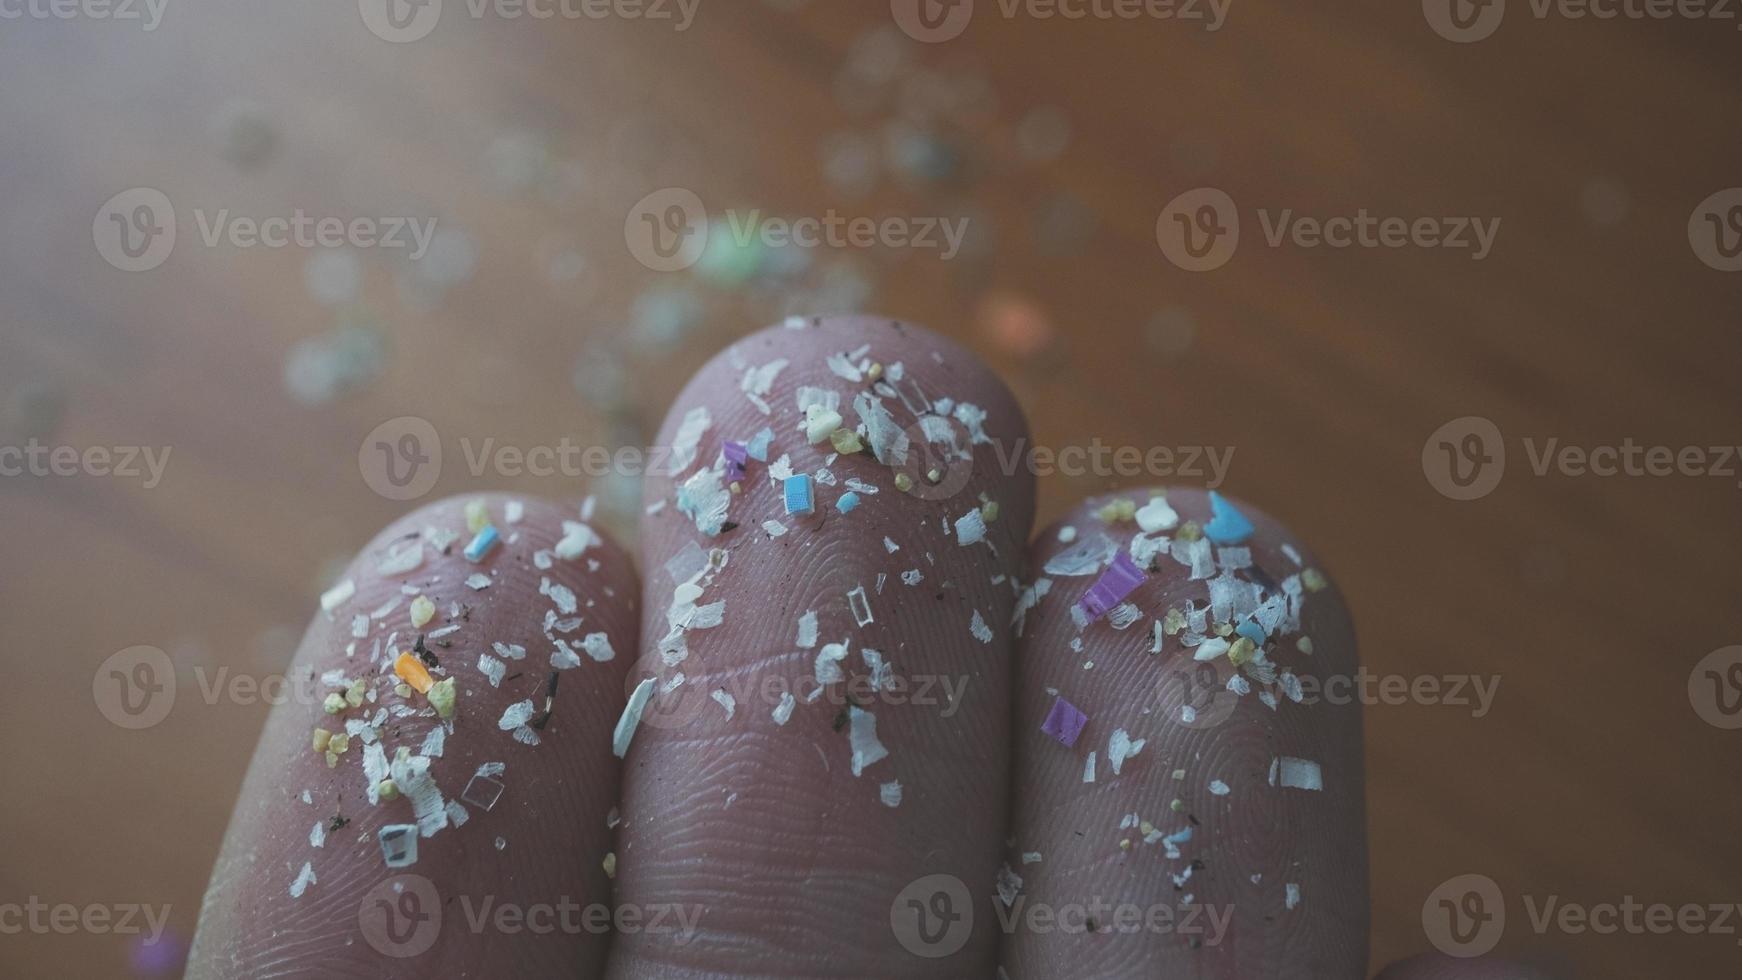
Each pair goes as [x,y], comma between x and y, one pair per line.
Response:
[783,861]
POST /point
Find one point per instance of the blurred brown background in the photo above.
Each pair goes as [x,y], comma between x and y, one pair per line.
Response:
[1595,319]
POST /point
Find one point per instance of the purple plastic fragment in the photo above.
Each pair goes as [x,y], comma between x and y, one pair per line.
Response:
[736,454]
[1064,722]
[1119,580]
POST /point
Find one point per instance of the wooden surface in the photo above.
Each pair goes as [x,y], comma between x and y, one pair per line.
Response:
[1593,320]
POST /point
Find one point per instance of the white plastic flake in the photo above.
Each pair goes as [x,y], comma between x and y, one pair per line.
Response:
[1122,746]
[862,733]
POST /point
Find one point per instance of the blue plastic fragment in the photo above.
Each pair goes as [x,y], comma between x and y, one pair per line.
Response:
[482,544]
[848,501]
[798,495]
[1252,631]
[1228,526]
[759,443]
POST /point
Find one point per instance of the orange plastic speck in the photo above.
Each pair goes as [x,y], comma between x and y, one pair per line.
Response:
[411,671]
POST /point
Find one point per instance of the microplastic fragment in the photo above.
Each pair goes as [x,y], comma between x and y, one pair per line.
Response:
[1156,516]
[828,663]
[626,725]
[1252,631]
[688,435]
[1228,526]
[847,502]
[861,606]
[970,528]
[1119,580]
[338,595]
[862,733]
[1218,788]
[759,444]
[726,701]
[797,494]
[807,630]
[978,627]
[1295,773]
[478,581]
[1122,746]
[598,646]
[304,878]
[477,514]
[890,793]
[1064,722]
[736,455]
[401,560]
[577,538]
[783,711]
[422,611]
[398,844]
[482,544]
[1089,768]
[1291,895]
[774,528]
[1210,649]
[516,715]
[513,511]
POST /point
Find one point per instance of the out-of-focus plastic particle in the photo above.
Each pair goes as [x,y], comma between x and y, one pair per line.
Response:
[1228,526]
[1064,722]
[1119,580]
[736,454]
[798,495]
